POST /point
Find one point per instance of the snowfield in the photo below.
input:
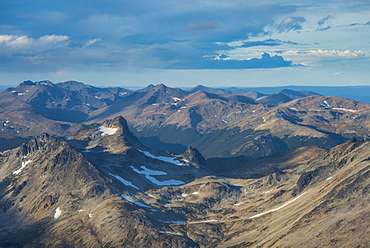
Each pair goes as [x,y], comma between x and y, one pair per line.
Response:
[107,130]
[171,160]
[132,200]
[125,182]
[148,173]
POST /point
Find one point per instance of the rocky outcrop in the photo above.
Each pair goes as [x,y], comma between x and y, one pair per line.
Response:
[194,156]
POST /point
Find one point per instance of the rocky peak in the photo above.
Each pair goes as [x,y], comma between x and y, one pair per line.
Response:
[113,135]
[160,87]
[36,144]
[27,83]
[45,83]
[73,85]
[194,156]
[347,147]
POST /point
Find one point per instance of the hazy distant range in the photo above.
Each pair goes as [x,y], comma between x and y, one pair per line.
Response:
[357,93]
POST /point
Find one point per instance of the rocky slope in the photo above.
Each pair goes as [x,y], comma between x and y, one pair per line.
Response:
[103,188]
[54,194]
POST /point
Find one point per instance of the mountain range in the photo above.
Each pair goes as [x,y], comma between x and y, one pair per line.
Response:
[83,166]
[236,123]
[103,188]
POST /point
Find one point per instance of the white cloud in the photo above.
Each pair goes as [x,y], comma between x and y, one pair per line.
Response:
[91,42]
[12,44]
[328,53]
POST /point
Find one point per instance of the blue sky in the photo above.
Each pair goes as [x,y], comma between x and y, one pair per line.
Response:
[186,43]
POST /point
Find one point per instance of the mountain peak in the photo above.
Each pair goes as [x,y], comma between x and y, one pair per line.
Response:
[112,135]
[27,83]
[194,156]
[160,87]
[118,122]
[37,143]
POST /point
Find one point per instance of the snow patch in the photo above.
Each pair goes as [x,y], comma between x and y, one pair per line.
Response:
[184,195]
[149,173]
[347,110]
[325,105]
[195,193]
[276,209]
[130,199]
[207,221]
[239,203]
[176,99]
[58,212]
[107,130]
[171,160]
[170,233]
[24,164]
[327,179]
[90,215]
[21,94]
[125,182]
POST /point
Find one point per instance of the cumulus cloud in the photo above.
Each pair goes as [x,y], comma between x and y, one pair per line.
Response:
[225,62]
[161,34]
[291,24]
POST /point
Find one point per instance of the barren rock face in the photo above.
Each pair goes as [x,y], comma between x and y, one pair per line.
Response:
[84,192]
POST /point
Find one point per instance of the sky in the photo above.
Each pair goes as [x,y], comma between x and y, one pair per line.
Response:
[239,43]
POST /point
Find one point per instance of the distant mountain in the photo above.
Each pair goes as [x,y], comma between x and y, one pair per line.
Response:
[357,93]
[35,107]
[224,125]
[241,92]
[103,188]
[208,90]
[248,93]
[165,118]
[109,95]
[284,96]
[314,120]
